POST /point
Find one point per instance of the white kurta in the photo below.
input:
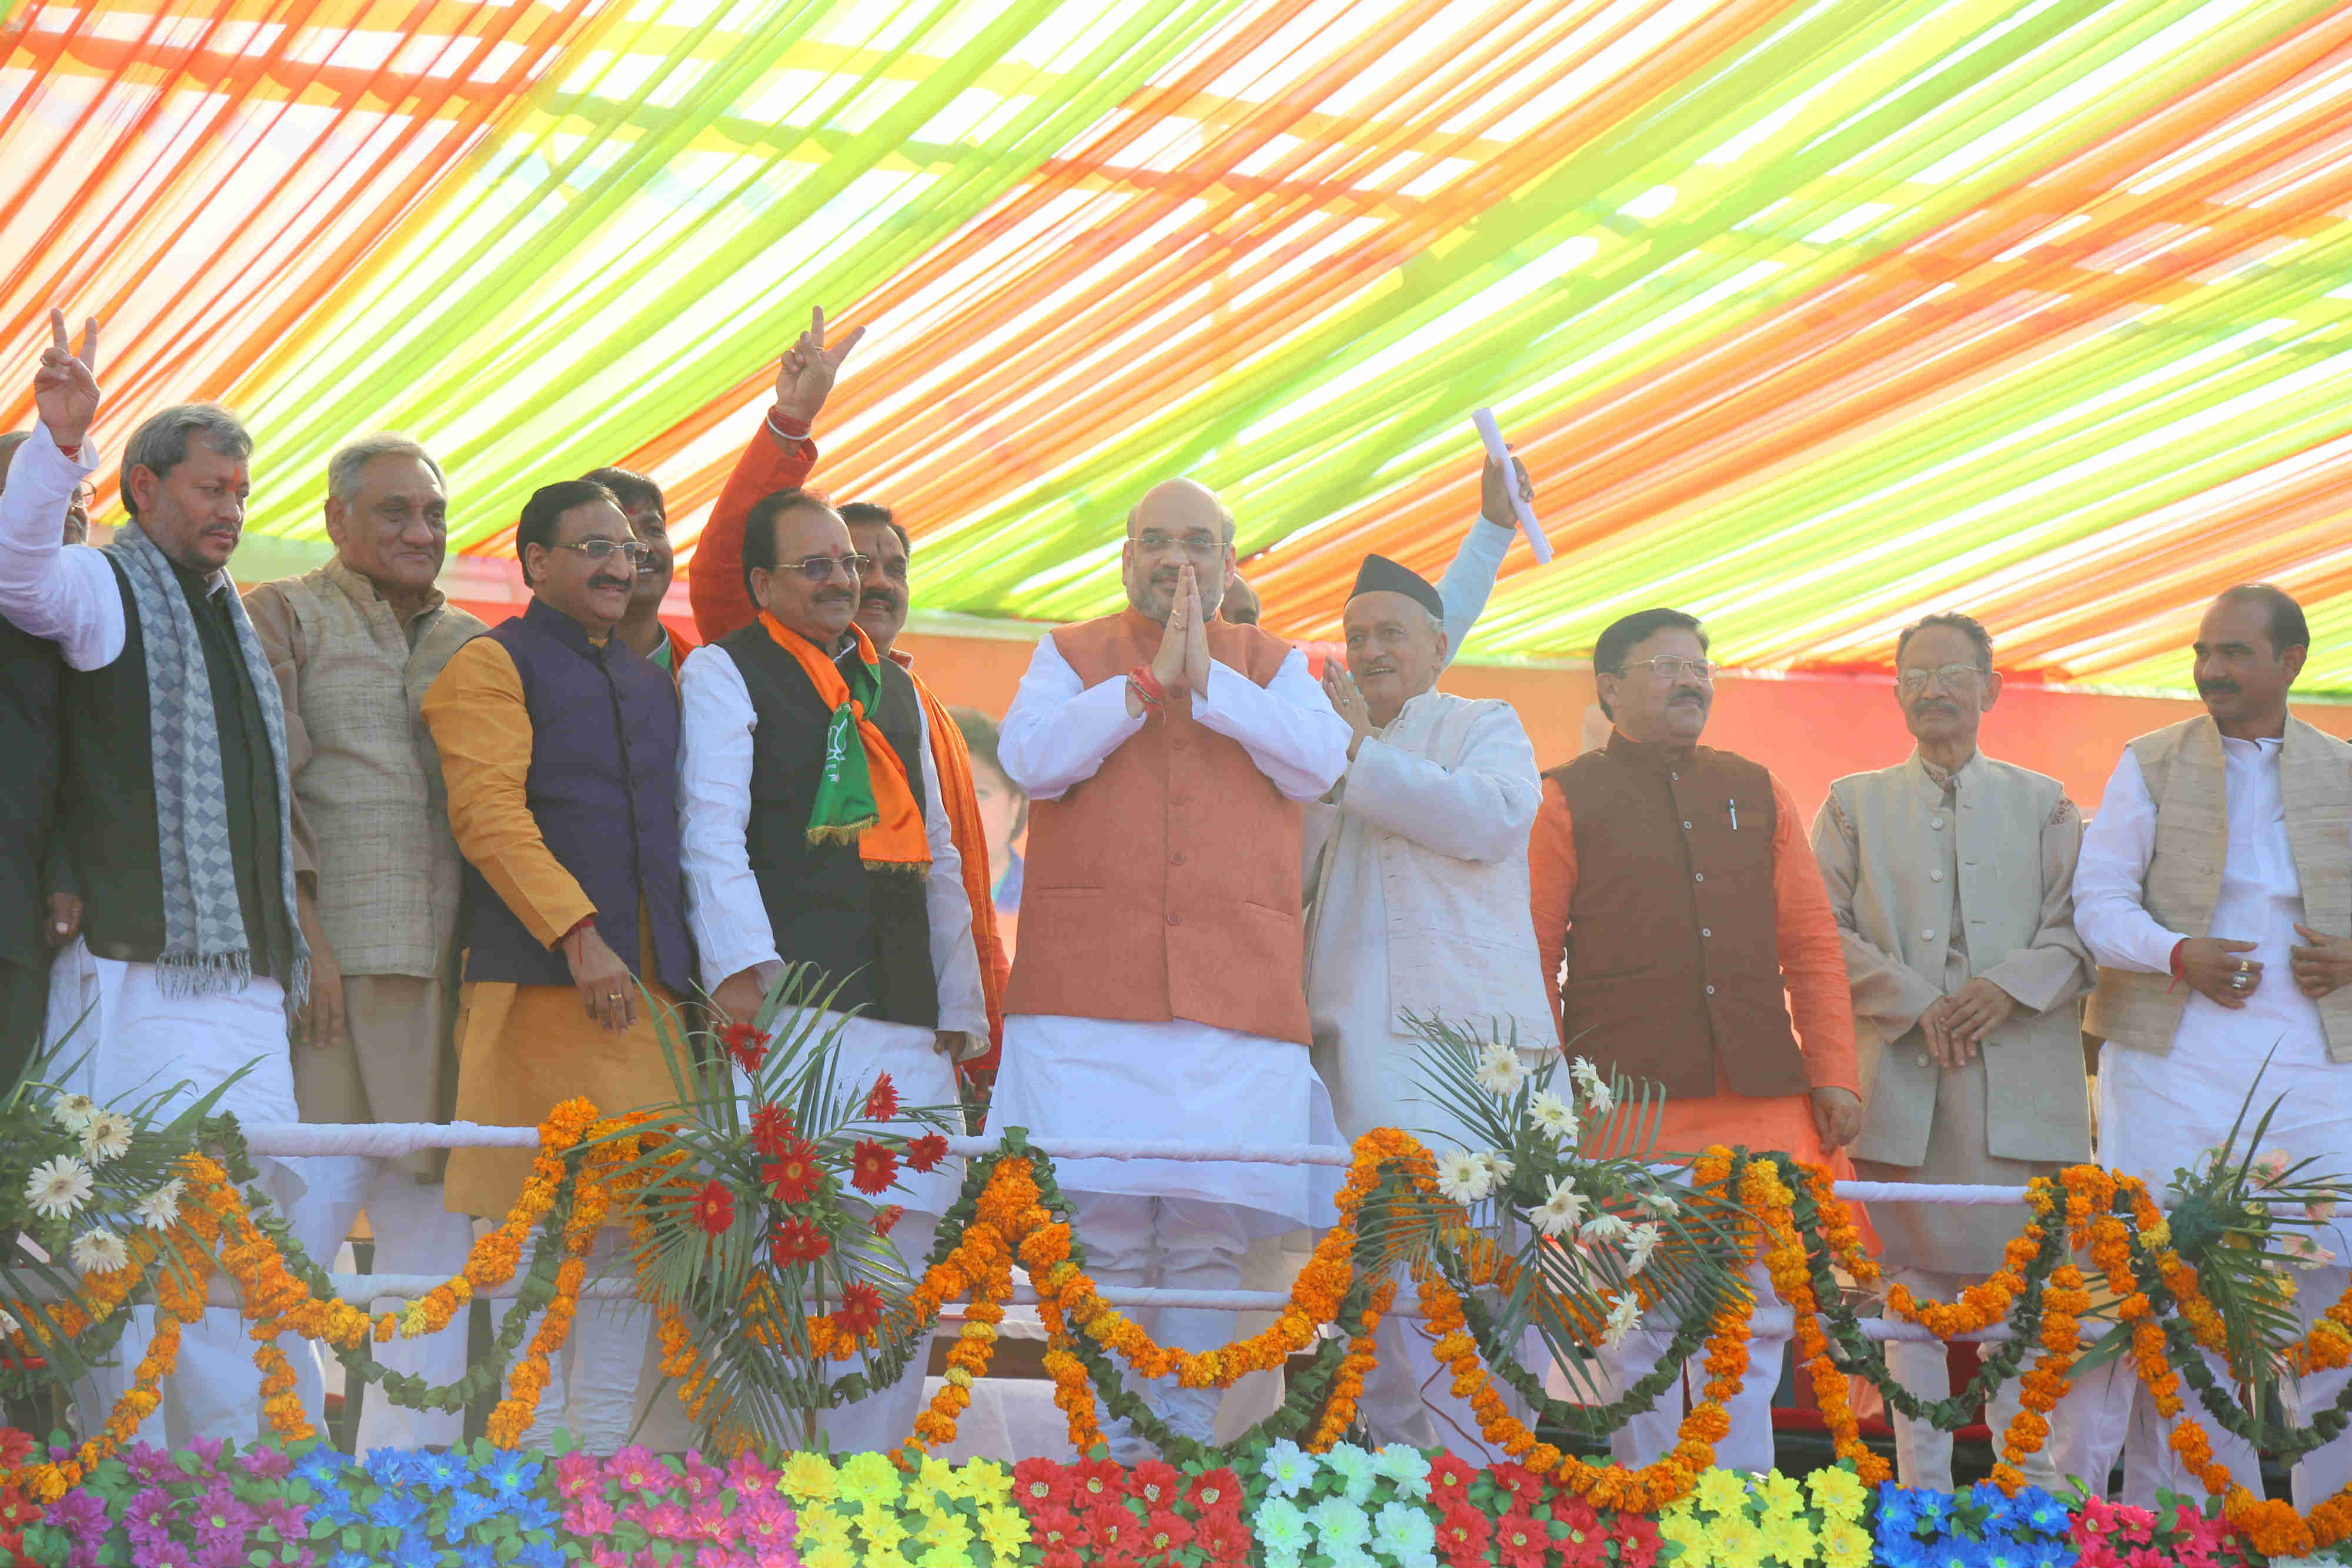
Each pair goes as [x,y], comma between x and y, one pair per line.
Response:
[1478,811]
[2160,1113]
[1092,1078]
[729,920]
[2157,1113]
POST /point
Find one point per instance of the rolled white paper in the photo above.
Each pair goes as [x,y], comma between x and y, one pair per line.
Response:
[1492,434]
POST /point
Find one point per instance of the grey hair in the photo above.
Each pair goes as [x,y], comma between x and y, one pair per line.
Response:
[161,444]
[345,468]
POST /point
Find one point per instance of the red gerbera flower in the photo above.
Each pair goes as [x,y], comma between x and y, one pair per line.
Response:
[1114,1529]
[925,1153]
[1215,1491]
[1520,1542]
[1525,1487]
[1222,1537]
[772,1129]
[887,1219]
[747,1045]
[1039,1483]
[1155,1484]
[798,1241]
[1638,1541]
[1097,1481]
[792,1176]
[1164,1533]
[714,1209]
[872,1168]
[861,1309]
[1450,1480]
[882,1100]
[1051,1525]
[1463,1532]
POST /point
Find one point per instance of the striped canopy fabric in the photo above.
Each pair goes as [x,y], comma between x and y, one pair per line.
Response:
[1807,317]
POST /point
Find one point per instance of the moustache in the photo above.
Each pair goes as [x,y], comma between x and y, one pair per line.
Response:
[879,601]
[1688,694]
[1936,707]
[2217,688]
[602,580]
[836,596]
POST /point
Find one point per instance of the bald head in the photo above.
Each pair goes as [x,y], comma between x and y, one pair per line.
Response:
[1179,523]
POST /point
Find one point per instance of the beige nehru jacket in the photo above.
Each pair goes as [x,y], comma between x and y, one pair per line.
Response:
[371,817]
[1902,861]
[2183,770]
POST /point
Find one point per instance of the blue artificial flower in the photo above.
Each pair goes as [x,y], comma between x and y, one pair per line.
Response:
[350,1560]
[414,1551]
[395,1510]
[2041,1512]
[320,1467]
[1898,1512]
[2061,1554]
[466,1509]
[1956,1552]
[1932,1510]
[540,1554]
[333,1504]
[530,1513]
[444,1472]
[511,1474]
[1906,1550]
[390,1468]
[478,1555]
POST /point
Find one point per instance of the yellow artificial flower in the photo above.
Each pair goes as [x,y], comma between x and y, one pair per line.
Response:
[881,1526]
[828,1555]
[1780,1494]
[938,1475]
[985,1481]
[809,1477]
[1734,1538]
[1681,1525]
[949,1533]
[1788,1539]
[1723,1491]
[822,1527]
[1006,1529]
[1838,1493]
[1844,1543]
[885,1557]
[869,1478]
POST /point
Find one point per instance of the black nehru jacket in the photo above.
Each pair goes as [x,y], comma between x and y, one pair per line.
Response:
[868,931]
[107,812]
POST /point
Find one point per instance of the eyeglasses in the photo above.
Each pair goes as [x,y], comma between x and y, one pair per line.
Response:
[820,568]
[1674,669]
[1951,677]
[1201,546]
[602,550]
[86,495]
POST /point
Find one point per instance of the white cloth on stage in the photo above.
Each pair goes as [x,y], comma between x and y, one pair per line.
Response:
[2160,1113]
[128,1042]
[1923,1454]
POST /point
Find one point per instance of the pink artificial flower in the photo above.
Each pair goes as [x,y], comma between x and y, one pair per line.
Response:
[709,1519]
[668,1522]
[747,1473]
[636,1467]
[577,1475]
[702,1480]
[590,1516]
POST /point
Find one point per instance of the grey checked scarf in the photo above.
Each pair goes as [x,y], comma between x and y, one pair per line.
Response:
[204,948]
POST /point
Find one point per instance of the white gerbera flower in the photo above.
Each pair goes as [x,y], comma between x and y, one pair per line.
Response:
[1640,1247]
[8,1324]
[107,1136]
[1563,1207]
[1499,1072]
[58,1186]
[1605,1227]
[1623,1319]
[1658,1205]
[1553,1114]
[73,1113]
[1498,1167]
[100,1252]
[160,1209]
[1462,1177]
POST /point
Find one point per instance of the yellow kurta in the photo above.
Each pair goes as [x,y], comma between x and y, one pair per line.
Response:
[523,1048]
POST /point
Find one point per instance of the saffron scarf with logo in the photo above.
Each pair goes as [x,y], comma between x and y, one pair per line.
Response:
[863,797]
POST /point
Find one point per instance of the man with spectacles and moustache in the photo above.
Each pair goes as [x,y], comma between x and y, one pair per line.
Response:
[1168,757]
[813,836]
[1952,879]
[559,744]
[1675,883]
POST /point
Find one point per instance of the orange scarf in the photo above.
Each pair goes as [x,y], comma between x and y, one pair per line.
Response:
[953,760]
[863,797]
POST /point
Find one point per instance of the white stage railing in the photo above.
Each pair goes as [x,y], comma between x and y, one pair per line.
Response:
[302,1140]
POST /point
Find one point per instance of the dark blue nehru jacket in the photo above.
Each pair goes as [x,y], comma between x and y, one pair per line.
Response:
[603,788]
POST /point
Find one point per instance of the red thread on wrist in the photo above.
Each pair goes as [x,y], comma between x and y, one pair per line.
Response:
[788,427]
[574,929]
[2179,964]
[1146,686]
